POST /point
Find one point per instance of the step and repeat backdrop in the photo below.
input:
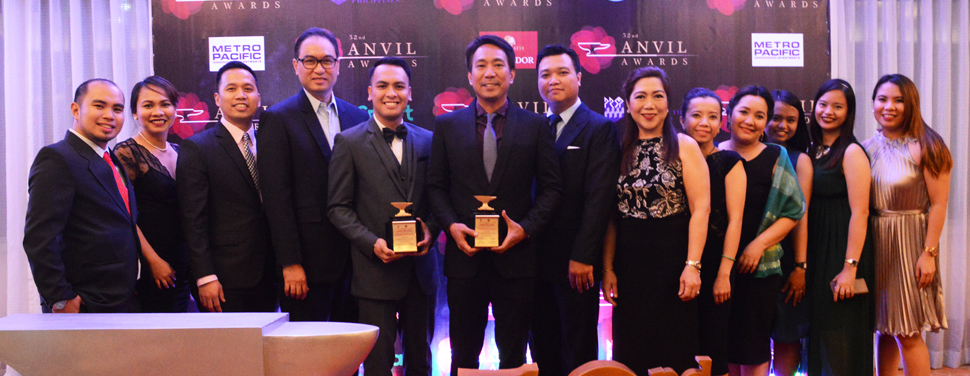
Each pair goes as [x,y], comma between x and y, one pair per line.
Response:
[718,44]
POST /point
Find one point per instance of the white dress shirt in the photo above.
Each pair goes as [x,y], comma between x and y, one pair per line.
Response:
[566,115]
[397,145]
[327,115]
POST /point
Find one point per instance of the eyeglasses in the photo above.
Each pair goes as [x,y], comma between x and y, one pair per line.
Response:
[311,62]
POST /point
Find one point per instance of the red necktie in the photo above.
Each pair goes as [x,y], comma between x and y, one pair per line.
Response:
[120,183]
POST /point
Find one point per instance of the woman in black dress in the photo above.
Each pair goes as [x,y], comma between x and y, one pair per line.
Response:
[149,160]
[654,243]
[773,204]
[702,121]
[789,129]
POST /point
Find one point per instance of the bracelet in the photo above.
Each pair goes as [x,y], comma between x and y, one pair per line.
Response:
[694,264]
[607,270]
[933,251]
[801,265]
[852,262]
[729,257]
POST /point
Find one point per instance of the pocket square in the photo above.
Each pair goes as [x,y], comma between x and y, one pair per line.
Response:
[570,147]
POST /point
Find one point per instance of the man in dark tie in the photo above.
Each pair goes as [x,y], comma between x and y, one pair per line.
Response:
[80,235]
[496,149]
[375,163]
[219,195]
[297,135]
[567,290]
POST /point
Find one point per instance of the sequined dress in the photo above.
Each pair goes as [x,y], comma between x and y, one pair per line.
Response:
[652,327]
[898,218]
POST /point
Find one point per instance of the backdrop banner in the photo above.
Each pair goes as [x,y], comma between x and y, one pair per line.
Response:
[718,44]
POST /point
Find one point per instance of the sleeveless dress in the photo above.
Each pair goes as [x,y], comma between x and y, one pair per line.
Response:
[753,299]
[652,327]
[713,317]
[791,321]
[159,220]
[898,219]
[840,339]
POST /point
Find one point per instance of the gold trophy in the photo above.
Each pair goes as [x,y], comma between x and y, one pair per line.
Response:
[402,230]
[488,225]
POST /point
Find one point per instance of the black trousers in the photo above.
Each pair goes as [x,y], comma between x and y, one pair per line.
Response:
[413,319]
[512,300]
[564,333]
[323,302]
[259,298]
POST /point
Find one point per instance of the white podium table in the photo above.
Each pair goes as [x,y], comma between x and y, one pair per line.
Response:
[181,344]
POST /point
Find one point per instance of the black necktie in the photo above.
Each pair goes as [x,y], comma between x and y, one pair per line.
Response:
[389,134]
[553,120]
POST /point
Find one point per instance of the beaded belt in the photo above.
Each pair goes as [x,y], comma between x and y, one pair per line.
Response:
[893,213]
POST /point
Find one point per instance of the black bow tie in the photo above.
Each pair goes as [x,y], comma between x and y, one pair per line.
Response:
[401,132]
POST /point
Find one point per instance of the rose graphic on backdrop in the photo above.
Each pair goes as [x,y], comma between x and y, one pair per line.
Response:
[191,117]
[727,7]
[454,7]
[181,10]
[725,93]
[591,42]
[451,99]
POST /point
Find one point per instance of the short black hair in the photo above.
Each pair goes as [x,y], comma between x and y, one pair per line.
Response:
[493,40]
[756,91]
[390,60]
[698,92]
[82,89]
[558,49]
[158,85]
[315,32]
[234,65]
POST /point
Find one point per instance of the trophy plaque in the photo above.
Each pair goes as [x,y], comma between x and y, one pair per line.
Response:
[488,224]
[402,230]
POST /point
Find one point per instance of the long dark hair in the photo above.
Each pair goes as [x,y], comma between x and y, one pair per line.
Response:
[671,143]
[798,141]
[846,137]
[935,155]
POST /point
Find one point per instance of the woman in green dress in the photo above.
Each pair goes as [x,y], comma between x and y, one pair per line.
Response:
[840,340]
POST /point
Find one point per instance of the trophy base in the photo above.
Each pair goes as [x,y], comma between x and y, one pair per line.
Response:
[491,229]
[402,235]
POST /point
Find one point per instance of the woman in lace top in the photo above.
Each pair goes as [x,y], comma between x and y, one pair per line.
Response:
[149,161]
[660,224]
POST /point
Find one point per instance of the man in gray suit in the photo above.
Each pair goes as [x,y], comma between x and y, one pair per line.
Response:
[375,163]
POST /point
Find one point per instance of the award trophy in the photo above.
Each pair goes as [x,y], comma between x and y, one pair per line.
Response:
[402,230]
[489,225]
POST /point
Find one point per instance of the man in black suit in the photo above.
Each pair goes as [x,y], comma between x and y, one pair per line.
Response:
[497,149]
[223,220]
[297,135]
[567,290]
[80,235]
[375,163]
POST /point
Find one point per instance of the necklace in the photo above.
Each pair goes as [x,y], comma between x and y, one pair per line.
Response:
[821,151]
[165,149]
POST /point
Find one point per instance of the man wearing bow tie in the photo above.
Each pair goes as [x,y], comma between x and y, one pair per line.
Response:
[296,138]
[375,163]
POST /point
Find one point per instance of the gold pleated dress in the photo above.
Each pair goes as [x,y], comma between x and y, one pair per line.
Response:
[898,220]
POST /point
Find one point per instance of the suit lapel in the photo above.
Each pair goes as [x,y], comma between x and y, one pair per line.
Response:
[410,160]
[313,125]
[100,169]
[509,133]
[343,113]
[385,154]
[232,150]
[572,129]
[467,132]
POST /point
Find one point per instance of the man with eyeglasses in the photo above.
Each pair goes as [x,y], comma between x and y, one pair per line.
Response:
[296,138]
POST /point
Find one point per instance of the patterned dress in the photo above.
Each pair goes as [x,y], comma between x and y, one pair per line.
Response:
[898,220]
[652,327]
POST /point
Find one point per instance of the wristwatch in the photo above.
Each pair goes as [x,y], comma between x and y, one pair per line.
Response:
[933,251]
[852,262]
[801,265]
[694,264]
[60,305]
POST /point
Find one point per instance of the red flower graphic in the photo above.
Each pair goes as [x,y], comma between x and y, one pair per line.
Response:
[191,116]
[727,7]
[725,93]
[593,41]
[451,99]
[181,10]
[454,7]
